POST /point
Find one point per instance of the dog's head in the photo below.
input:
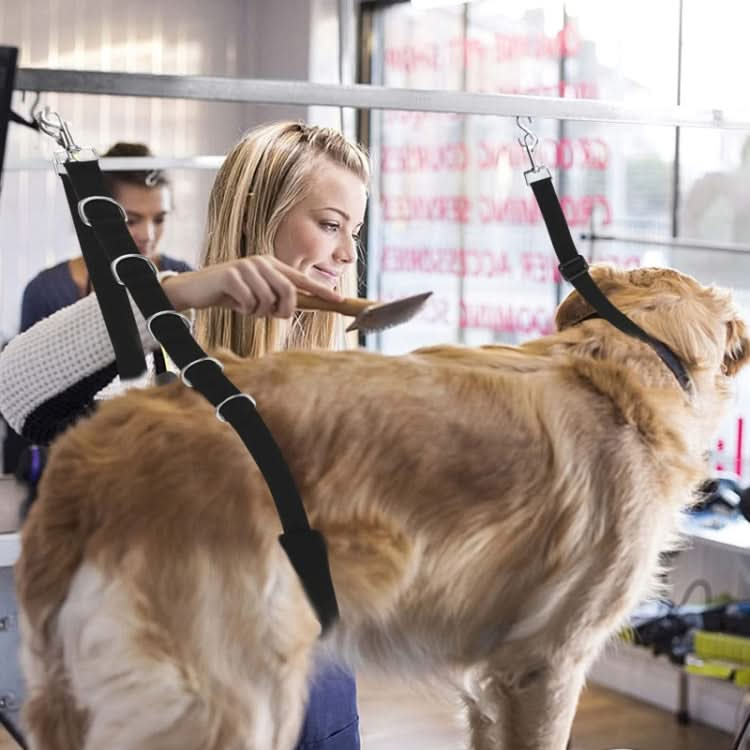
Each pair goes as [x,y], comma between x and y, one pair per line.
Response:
[700,324]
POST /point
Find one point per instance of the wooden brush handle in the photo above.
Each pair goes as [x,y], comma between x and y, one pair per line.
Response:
[347,306]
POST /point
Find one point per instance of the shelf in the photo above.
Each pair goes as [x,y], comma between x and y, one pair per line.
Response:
[635,671]
[731,533]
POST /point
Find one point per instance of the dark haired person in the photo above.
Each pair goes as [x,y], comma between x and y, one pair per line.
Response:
[146,197]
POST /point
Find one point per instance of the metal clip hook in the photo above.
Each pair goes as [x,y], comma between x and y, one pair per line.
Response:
[52,124]
[529,142]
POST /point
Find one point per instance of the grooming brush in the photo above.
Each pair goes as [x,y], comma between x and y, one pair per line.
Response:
[369,315]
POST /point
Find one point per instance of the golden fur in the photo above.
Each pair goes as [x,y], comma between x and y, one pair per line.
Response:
[492,513]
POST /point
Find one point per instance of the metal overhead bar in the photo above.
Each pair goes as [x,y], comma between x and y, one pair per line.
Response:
[361,96]
[125,163]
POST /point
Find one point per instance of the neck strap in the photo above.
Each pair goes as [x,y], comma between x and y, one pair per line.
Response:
[574,269]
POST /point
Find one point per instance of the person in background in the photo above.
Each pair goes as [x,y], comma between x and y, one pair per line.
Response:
[146,197]
[285,213]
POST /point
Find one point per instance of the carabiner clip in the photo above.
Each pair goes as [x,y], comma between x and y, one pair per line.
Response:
[52,124]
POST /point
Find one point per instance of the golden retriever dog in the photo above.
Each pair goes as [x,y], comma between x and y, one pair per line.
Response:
[492,515]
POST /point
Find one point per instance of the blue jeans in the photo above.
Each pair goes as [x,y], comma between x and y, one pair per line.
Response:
[331,721]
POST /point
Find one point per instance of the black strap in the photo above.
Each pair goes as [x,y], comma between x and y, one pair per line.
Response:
[8,61]
[304,546]
[13,731]
[14,117]
[111,296]
[574,269]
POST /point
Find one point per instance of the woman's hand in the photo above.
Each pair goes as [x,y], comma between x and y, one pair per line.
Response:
[259,285]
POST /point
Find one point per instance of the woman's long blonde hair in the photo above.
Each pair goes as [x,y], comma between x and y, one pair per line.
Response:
[263,177]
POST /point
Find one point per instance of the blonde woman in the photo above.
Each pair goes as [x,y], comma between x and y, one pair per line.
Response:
[284,215]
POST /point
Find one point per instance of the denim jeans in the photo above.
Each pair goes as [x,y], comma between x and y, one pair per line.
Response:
[331,721]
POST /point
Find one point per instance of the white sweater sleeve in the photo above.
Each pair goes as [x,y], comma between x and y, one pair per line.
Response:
[54,358]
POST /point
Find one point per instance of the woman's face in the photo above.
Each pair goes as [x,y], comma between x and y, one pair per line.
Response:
[320,235]
[146,208]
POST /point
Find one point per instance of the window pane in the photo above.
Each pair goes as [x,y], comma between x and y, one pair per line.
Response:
[715,181]
[451,210]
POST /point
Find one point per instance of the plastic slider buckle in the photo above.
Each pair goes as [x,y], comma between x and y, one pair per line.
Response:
[184,370]
[82,207]
[220,416]
[113,265]
[573,268]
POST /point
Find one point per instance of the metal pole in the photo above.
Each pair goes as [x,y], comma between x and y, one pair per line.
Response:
[363,96]
[725,247]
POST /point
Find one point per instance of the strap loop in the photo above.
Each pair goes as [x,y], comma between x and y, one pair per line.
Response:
[82,205]
[231,398]
[113,265]
[184,370]
[152,318]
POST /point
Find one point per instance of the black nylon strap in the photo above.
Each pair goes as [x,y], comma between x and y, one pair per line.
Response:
[111,296]
[574,269]
[14,117]
[304,546]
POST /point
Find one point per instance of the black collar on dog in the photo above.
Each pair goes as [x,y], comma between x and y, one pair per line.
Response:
[678,370]
[574,269]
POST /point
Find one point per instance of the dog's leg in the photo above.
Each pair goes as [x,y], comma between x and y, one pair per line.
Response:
[529,710]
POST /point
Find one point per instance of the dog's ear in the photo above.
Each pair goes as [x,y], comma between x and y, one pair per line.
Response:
[737,351]
[573,309]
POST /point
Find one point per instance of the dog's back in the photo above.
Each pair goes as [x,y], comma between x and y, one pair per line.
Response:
[501,507]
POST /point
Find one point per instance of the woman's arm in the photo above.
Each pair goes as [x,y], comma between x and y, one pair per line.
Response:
[50,374]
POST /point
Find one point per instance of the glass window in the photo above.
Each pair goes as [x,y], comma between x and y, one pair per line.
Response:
[451,211]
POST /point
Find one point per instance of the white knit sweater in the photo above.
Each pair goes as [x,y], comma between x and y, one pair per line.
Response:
[55,355]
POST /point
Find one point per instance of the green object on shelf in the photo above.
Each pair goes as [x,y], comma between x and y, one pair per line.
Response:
[733,648]
[739,674]
[716,669]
